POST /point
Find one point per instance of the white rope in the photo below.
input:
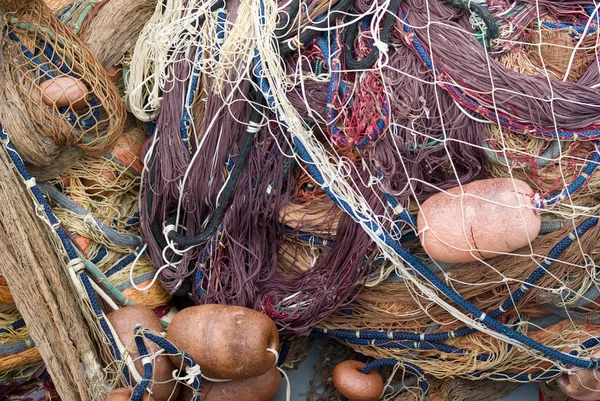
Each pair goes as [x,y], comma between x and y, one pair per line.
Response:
[288,386]
[169,32]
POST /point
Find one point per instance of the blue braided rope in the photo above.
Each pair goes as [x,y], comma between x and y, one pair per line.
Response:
[173,350]
[147,364]
[135,219]
[314,240]
[577,184]
[409,236]
[186,119]
[16,347]
[102,252]
[404,216]
[52,56]
[580,29]
[416,345]
[126,261]
[45,71]
[17,324]
[65,11]
[589,9]
[99,314]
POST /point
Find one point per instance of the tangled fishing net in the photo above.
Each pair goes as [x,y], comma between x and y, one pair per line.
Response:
[67,93]
[413,179]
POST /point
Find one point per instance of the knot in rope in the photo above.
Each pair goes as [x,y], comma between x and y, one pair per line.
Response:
[191,373]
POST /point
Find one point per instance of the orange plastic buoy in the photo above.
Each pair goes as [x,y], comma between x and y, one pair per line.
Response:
[124,394]
[65,92]
[349,380]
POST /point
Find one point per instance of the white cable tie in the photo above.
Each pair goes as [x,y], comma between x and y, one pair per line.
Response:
[382,46]
[76,265]
[30,183]
[253,128]
[191,373]
[147,360]
[290,43]
[89,219]
[73,267]
[538,202]
[398,209]
[168,229]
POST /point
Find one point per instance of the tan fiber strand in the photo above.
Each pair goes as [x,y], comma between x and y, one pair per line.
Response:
[52,311]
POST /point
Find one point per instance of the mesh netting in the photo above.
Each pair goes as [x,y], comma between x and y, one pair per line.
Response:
[67,93]
[414,179]
[429,192]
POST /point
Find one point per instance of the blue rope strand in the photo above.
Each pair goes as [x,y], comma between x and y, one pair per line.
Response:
[126,261]
[17,324]
[173,350]
[146,363]
[576,184]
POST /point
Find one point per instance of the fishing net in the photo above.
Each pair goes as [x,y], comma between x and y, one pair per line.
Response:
[96,202]
[95,196]
[68,95]
[413,179]
[360,114]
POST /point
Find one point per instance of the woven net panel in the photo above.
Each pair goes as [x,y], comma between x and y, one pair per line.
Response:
[68,94]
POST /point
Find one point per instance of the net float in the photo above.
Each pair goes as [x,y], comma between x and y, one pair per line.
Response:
[349,380]
[260,388]
[479,220]
[65,92]
[228,342]
[125,321]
